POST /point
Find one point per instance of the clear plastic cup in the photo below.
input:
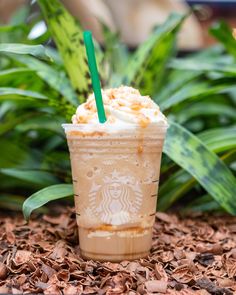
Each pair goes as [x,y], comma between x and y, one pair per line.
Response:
[115,177]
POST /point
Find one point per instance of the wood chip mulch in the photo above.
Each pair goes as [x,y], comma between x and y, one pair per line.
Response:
[194,255]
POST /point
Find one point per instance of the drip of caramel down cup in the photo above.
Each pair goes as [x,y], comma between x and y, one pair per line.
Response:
[115,175]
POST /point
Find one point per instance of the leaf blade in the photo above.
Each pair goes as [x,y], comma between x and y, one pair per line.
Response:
[40,198]
[56,79]
[32,176]
[68,37]
[15,93]
[36,50]
[155,52]
[191,154]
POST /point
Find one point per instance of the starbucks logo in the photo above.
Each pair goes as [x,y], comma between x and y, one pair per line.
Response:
[116,199]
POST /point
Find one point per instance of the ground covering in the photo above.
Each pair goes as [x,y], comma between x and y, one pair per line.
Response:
[190,255]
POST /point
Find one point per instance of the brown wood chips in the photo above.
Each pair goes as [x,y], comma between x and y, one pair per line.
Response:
[194,255]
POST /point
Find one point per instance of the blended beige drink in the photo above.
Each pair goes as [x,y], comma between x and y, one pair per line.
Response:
[115,169]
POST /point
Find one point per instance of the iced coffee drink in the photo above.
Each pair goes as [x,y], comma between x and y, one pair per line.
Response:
[115,170]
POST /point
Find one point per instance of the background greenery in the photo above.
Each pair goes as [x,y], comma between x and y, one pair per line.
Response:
[40,88]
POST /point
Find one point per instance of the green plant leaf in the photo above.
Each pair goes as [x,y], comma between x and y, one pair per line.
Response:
[37,177]
[15,202]
[46,195]
[7,93]
[20,15]
[13,28]
[16,71]
[56,79]
[180,182]
[15,154]
[219,139]
[10,124]
[206,109]
[42,122]
[191,154]
[23,78]
[36,50]
[175,82]
[55,55]
[213,52]
[223,33]
[173,188]
[194,90]
[68,37]
[204,203]
[221,66]
[147,67]
[11,202]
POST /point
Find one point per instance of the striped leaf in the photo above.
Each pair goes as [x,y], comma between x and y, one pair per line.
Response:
[68,37]
[147,66]
[190,153]
[181,182]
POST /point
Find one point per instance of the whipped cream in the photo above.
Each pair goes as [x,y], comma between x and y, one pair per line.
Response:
[122,105]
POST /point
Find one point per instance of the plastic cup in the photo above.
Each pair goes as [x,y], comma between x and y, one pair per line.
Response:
[115,178]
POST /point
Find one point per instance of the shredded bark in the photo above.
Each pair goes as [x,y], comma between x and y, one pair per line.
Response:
[190,255]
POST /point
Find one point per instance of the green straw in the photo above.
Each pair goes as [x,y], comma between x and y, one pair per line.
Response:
[88,41]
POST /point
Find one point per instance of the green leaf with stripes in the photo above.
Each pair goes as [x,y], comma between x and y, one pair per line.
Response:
[147,66]
[68,37]
[190,153]
[181,182]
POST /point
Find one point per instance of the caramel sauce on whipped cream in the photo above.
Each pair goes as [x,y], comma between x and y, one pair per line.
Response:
[122,105]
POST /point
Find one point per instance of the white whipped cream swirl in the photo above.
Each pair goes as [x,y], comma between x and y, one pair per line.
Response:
[122,105]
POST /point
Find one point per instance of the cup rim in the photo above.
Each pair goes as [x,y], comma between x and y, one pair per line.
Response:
[152,128]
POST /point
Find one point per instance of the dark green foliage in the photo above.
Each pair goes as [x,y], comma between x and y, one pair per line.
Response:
[39,90]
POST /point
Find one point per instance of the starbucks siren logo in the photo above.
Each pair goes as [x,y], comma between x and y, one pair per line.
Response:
[113,201]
